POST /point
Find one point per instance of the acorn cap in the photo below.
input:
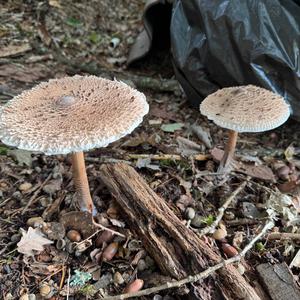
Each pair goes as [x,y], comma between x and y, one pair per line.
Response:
[245,109]
[71,114]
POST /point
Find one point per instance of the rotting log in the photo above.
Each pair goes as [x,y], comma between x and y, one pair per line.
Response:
[278,281]
[177,250]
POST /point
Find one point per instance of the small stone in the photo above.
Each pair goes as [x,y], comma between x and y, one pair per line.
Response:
[142,265]
[15,237]
[38,169]
[197,221]
[54,230]
[190,213]
[110,251]
[35,222]
[118,278]
[17,195]
[157,297]
[25,186]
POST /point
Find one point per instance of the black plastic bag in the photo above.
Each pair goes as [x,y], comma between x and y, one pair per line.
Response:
[220,43]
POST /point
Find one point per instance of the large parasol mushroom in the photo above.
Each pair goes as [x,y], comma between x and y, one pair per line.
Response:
[243,109]
[72,115]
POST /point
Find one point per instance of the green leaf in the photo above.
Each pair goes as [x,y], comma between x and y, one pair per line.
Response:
[172,127]
[208,220]
[260,246]
[73,22]
[94,37]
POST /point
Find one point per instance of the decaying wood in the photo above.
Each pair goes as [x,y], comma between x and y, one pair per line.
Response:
[178,251]
[279,281]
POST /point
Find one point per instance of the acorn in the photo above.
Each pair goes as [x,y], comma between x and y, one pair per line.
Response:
[45,290]
[110,251]
[134,286]
[104,237]
[118,278]
[229,250]
[74,236]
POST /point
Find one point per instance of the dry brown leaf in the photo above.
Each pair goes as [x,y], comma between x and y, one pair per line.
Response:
[32,240]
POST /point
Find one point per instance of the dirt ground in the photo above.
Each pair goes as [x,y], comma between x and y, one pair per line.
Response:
[48,39]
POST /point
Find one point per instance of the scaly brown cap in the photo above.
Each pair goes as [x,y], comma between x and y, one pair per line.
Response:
[71,114]
[245,109]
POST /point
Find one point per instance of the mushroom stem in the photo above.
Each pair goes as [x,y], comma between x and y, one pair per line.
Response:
[229,151]
[81,182]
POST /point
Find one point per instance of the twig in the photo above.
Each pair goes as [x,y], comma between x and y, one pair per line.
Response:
[244,221]
[283,236]
[199,157]
[62,277]
[79,243]
[68,284]
[221,210]
[33,197]
[194,278]
[107,229]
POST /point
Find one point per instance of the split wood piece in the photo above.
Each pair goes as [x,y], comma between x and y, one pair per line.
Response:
[279,281]
[81,182]
[177,250]
[198,157]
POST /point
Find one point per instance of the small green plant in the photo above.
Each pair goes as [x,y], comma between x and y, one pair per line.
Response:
[80,278]
[73,22]
[260,247]
[94,37]
[208,220]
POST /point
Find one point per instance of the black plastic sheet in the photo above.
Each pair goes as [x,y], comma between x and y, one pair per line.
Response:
[220,43]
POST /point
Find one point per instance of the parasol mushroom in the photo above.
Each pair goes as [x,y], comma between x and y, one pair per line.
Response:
[72,115]
[243,109]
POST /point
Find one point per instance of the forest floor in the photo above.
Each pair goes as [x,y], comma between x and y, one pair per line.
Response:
[47,39]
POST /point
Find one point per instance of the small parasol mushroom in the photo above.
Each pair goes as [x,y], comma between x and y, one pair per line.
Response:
[72,115]
[243,109]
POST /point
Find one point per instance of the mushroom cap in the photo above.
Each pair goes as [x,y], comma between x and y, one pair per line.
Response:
[245,109]
[71,114]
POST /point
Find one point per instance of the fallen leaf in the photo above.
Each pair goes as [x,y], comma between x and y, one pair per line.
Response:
[187,147]
[146,163]
[171,127]
[203,135]
[23,157]
[261,171]
[32,240]
[296,260]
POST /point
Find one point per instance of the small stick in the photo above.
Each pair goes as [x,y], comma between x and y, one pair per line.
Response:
[221,210]
[194,278]
[283,236]
[62,277]
[107,229]
[68,284]
[33,197]
[198,157]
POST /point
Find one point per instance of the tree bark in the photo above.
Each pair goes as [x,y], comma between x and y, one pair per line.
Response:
[177,250]
[278,281]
